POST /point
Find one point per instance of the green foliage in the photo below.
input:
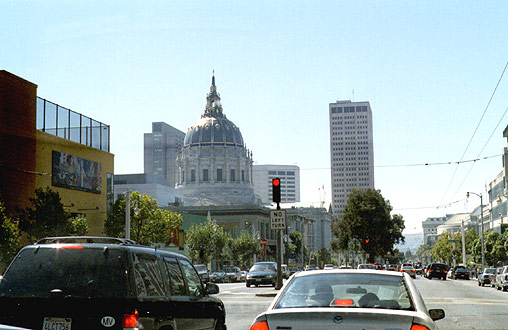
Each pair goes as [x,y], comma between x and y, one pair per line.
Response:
[149,223]
[367,220]
[48,217]
[325,257]
[206,241]
[242,249]
[296,244]
[423,251]
[9,237]
[442,250]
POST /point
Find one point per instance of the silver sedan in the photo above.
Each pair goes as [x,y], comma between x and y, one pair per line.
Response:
[348,299]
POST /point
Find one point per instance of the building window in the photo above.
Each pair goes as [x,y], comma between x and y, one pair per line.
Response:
[193,175]
[272,173]
[219,175]
[232,176]
[205,175]
[243,175]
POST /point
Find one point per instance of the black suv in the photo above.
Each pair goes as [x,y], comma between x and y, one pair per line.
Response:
[76,283]
[437,270]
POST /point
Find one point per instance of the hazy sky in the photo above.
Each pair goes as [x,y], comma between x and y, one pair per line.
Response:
[428,69]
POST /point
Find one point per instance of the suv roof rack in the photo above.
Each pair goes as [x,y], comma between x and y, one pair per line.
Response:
[86,239]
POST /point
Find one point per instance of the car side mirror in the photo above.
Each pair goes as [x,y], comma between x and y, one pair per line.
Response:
[212,288]
[436,314]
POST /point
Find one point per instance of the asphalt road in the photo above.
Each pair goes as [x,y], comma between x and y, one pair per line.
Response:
[467,305]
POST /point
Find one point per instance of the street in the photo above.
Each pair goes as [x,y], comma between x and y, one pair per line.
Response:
[467,305]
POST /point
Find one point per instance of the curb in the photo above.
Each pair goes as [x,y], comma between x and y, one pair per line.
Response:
[271,293]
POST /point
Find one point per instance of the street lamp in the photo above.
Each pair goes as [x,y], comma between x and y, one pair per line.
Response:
[481,228]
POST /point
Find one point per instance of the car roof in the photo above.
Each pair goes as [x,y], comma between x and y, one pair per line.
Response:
[112,243]
[347,271]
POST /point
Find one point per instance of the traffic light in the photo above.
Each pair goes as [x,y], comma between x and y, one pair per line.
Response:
[276,190]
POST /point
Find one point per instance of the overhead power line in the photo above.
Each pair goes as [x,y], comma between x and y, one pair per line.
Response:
[484,146]
[414,164]
[475,130]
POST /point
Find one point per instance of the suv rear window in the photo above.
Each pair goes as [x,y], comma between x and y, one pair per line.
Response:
[440,266]
[77,272]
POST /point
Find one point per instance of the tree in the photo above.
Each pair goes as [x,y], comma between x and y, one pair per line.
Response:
[423,253]
[325,257]
[9,237]
[207,240]
[367,219]
[149,223]
[48,217]
[442,250]
[243,248]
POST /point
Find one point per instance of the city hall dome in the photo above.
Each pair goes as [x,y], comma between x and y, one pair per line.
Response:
[213,128]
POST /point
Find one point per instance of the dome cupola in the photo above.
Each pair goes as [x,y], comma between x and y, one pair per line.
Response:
[213,128]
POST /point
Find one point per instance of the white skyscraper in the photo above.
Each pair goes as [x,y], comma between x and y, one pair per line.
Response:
[289,176]
[351,150]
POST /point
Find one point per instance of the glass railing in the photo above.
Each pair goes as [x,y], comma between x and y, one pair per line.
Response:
[65,123]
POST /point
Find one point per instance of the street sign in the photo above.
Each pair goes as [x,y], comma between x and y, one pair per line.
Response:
[278,219]
[454,241]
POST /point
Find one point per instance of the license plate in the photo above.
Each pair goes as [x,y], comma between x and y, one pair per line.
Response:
[56,323]
[258,280]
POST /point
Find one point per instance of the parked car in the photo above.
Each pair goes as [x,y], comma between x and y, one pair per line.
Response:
[348,299]
[493,277]
[264,272]
[218,277]
[408,269]
[437,270]
[203,272]
[459,272]
[345,267]
[310,267]
[328,266]
[294,270]
[244,275]
[502,279]
[484,277]
[366,266]
[392,267]
[98,282]
[233,274]
[285,271]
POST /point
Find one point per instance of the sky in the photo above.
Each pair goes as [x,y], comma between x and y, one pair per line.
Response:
[428,69]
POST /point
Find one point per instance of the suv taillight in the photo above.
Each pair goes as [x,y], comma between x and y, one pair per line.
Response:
[419,327]
[131,321]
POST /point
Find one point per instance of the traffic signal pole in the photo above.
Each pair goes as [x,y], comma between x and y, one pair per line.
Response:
[276,199]
[279,257]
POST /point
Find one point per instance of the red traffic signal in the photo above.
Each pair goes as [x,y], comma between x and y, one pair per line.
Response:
[276,190]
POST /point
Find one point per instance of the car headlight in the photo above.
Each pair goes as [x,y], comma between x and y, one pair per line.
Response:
[271,276]
[249,276]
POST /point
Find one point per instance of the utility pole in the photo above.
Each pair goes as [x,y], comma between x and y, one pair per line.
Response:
[463,245]
[128,214]
[481,226]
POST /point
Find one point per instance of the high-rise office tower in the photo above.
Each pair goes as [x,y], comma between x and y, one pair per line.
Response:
[289,176]
[351,150]
[160,150]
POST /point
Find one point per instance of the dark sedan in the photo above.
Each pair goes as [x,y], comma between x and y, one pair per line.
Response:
[459,272]
[262,273]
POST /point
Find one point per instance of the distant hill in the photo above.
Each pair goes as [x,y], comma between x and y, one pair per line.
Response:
[412,242]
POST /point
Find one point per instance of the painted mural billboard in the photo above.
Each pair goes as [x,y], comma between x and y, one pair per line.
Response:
[76,173]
